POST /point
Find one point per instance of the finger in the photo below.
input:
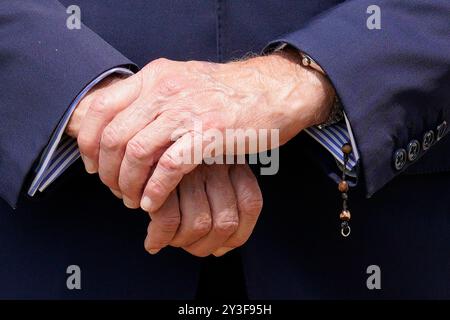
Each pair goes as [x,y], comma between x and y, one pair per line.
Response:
[102,110]
[141,154]
[163,226]
[154,95]
[222,201]
[249,202]
[114,141]
[196,218]
[175,162]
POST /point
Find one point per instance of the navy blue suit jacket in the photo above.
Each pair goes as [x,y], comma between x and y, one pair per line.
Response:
[394,84]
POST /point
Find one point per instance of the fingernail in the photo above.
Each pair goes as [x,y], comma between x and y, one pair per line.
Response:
[222,251]
[117,193]
[153,251]
[89,165]
[146,204]
[129,203]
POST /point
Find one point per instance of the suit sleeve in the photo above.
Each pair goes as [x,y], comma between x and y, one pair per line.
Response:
[44,65]
[394,82]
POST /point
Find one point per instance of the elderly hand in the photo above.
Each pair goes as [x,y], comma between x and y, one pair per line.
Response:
[127,135]
[214,211]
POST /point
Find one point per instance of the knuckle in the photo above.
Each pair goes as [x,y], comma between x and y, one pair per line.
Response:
[170,162]
[251,203]
[226,227]
[100,105]
[111,139]
[157,67]
[202,226]
[168,86]
[193,233]
[179,118]
[86,144]
[136,151]
[159,62]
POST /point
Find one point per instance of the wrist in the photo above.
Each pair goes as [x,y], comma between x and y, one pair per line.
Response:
[303,96]
[318,101]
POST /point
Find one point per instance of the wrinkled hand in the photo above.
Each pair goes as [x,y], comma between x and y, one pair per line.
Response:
[214,211]
[127,133]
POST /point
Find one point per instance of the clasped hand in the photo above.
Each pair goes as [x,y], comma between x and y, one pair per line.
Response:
[125,132]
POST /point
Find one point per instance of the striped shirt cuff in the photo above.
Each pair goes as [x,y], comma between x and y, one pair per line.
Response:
[332,138]
[62,150]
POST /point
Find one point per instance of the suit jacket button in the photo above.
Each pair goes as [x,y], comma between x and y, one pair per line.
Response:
[400,159]
[441,130]
[428,140]
[413,150]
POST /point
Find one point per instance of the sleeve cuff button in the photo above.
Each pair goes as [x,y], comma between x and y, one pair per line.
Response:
[400,159]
